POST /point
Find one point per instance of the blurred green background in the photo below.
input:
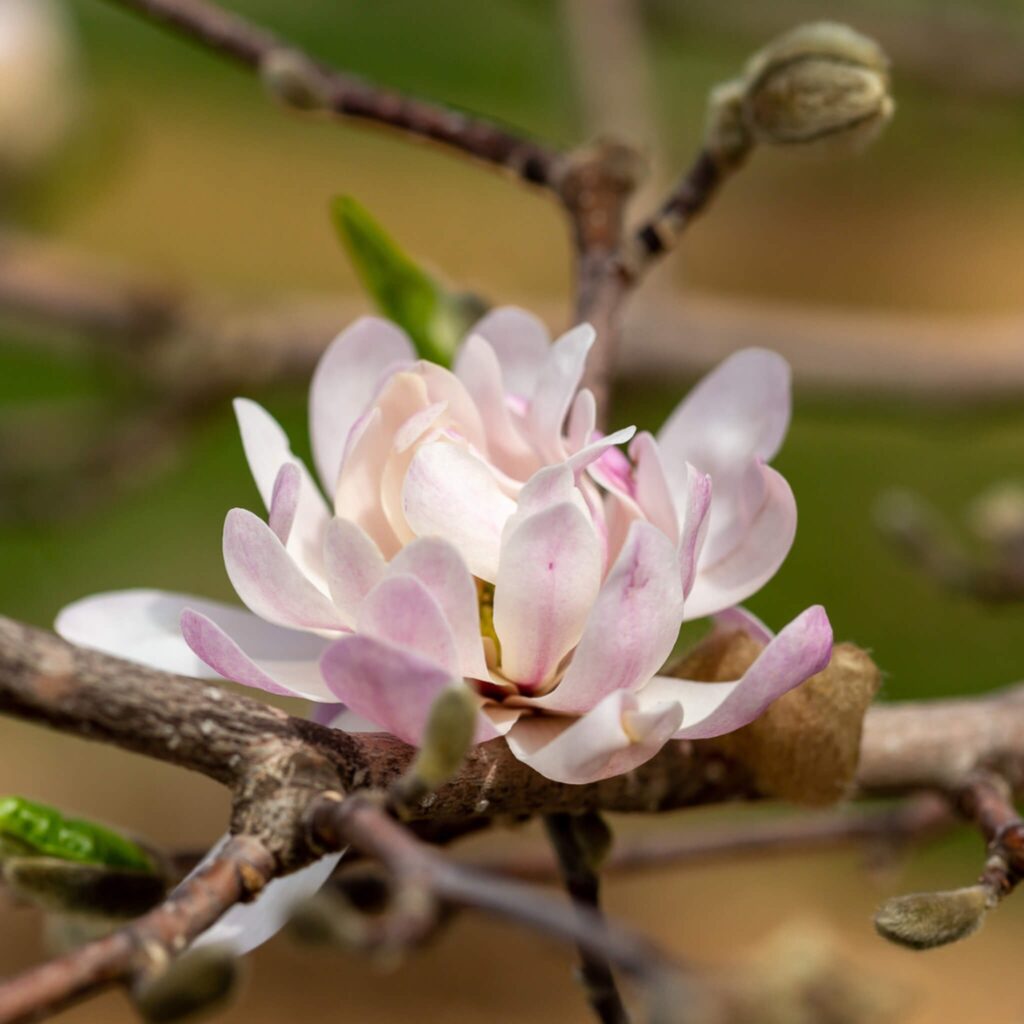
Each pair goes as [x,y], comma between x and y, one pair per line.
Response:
[179,166]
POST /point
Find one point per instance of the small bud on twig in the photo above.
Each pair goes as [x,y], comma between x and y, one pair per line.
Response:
[818,82]
[446,741]
[293,80]
[924,920]
[71,887]
[198,982]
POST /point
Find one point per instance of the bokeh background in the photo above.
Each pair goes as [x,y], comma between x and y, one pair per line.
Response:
[176,165]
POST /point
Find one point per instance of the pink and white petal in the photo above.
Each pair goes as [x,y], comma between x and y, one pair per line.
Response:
[739,411]
[267,451]
[521,344]
[800,651]
[142,626]
[739,618]
[463,415]
[442,570]
[696,517]
[632,628]
[556,387]
[337,716]
[582,420]
[451,493]
[548,578]
[754,560]
[358,495]
[392,687]
[286,663]
[401,612]
[653,494]
[267,579]
[345,382]
[354,566]
[596,450]
[612,738]
[550,485]
[248,925]
[478,368]
[284,502]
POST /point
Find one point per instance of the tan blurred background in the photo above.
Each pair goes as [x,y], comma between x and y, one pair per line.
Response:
[177,166]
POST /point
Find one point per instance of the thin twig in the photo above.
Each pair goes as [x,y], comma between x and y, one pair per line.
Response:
[986,800]
[918,820]
[143,947]
[582,884]
[334,822]
[251,45]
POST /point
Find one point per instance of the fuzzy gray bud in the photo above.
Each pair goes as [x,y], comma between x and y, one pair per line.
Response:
[199,982]
[924,920]
[821,82]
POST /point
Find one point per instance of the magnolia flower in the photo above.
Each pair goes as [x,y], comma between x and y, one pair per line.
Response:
[481,532]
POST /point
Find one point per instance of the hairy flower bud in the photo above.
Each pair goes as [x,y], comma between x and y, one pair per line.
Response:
[924,920]
[199,981]
[818,82]
[997,516]
[74,888]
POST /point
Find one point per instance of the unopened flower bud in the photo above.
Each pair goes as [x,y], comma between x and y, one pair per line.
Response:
[924,920]
[293,80]
[446,740]
[997,516]
[198,982]
[71,887]
[819,82]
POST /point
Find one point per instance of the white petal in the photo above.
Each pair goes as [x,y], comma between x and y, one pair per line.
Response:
[354,566]
[451,493]
[548,578]
[521,343]
[248,925]
[613,738]
[556,388]
[267,579]
[345,382]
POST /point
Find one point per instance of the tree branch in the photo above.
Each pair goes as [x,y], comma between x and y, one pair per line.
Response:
[335,823]
[145,946]
[251,46]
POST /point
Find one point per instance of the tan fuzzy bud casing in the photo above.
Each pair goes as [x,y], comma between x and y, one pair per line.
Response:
[805,747]
[924,920]
[818,84]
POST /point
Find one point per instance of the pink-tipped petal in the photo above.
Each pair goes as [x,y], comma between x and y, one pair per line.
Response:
[740,410]
[478,368]
[590,453]
[800,651]
[354,566]
[451,493]
[284,502]
[582,420]
[548,578]
[738,618]
[612,738]
[345,382]
[521,344]
[400,611]
[268,452]
[695,516]
[653,494]
[392,687]
[267,579]
[142,626]
[755,559]
[442,570]
[281,661]
[632,627]
[556,388]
